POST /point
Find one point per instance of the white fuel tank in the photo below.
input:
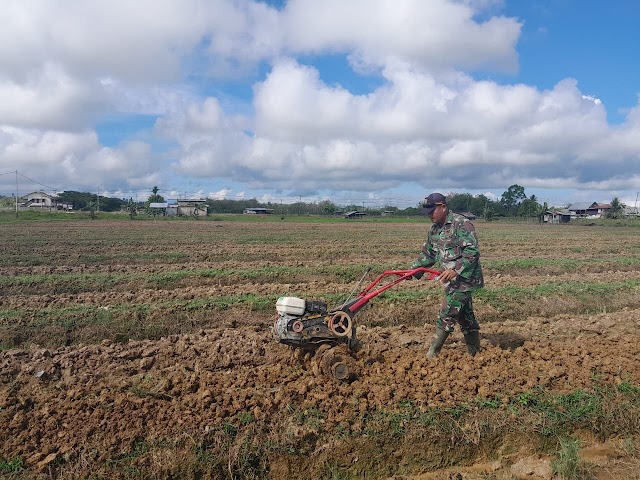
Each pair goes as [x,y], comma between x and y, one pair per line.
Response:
[290,305]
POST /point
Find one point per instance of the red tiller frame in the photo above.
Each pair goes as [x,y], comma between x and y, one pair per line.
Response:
[367,294]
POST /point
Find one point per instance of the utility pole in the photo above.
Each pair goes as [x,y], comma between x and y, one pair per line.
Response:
[299,203]
[16,193]
[98,200]
[636,204]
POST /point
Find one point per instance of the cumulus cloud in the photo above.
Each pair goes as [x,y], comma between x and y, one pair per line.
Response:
[438,34]
[220,194]
[473,134]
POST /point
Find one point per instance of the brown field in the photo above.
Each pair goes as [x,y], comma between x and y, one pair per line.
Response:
[143,349]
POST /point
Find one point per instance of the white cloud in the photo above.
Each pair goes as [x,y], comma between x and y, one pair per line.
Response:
[220,194]
[438,34]
[48,98]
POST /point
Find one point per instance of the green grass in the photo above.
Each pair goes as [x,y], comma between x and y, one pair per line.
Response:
[11,465]
[567,465]
[506,265]
[108,281]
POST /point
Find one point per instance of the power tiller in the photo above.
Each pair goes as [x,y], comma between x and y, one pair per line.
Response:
[308,324]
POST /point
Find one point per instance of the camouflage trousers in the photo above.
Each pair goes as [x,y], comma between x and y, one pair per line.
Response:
[457,307]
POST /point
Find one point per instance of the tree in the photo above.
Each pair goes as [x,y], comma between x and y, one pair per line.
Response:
[487,212]
[460,202]
[529,207]
[91,206]
[542,211]
[512,198]
[616,210]
[328,207]
[80,200]
[155,198]
[132,208]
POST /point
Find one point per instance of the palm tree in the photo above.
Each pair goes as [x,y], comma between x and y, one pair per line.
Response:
[616,210]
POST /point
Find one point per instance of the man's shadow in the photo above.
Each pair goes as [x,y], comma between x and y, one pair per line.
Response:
[506,341]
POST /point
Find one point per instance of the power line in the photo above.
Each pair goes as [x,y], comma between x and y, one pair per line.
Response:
[35,181]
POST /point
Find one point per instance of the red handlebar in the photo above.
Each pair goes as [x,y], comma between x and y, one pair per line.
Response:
[402,275]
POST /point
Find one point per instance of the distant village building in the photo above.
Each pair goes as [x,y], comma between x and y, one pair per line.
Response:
[258,211]
[192,207]
[558,215]
[178,207]
[43,200]
[354,214]
[158,208]
[172,207]
[588,209]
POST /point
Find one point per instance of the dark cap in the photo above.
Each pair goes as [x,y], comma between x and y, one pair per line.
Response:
[431,202]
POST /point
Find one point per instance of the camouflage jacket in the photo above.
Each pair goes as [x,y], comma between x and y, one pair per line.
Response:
[454,245]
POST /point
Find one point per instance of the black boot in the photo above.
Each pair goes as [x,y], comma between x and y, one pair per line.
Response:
[438,342]
[472,339]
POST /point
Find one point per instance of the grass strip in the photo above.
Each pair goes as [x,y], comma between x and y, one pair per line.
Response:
[88,282]
[504,299]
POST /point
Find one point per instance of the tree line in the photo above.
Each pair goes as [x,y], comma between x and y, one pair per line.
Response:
[513,202]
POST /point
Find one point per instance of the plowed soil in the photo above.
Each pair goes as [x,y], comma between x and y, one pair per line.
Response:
[99,400]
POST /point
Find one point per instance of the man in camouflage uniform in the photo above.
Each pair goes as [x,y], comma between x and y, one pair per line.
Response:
[452,247]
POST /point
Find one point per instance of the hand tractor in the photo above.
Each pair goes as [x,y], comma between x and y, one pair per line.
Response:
[309,325]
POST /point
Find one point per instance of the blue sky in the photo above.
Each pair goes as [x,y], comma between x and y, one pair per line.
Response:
[369,102]
[594,42]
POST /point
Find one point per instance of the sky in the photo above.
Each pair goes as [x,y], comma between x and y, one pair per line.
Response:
[372,102]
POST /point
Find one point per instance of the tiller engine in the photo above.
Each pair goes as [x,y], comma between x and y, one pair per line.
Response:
[308,324]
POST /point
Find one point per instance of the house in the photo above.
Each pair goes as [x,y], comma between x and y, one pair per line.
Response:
[387,213]
[589,209]
[354,214]
[38,200]
[192,207]
[584,210]
[603,209]
[258,211]
[44,200]
[469,215]
[559,215]
[172,207]
[158,208]
[630,211]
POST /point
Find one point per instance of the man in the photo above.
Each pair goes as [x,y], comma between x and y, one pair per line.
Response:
[452,246]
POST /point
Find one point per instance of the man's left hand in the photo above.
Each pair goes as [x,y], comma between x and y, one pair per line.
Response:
[448,275]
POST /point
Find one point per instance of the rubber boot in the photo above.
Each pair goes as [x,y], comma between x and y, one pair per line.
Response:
[438,341]
[472,339]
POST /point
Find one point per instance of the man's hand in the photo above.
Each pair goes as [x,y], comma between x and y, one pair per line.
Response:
[447,276]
